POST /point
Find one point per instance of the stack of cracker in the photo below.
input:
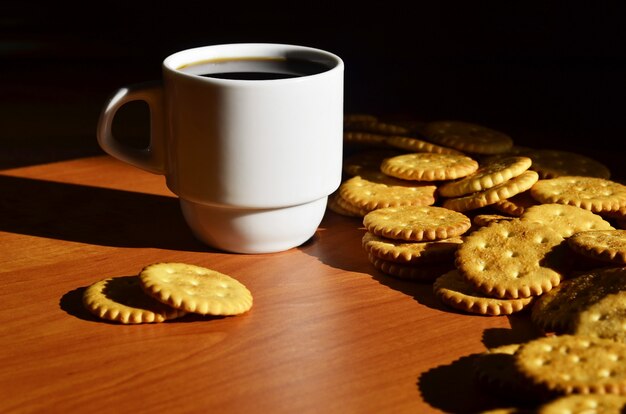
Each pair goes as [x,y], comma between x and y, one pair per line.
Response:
[165,291]
[547,236]
[413,242]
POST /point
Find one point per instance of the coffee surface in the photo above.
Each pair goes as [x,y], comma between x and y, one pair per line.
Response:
[255,68]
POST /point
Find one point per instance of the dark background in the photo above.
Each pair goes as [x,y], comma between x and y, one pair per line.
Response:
[552,74]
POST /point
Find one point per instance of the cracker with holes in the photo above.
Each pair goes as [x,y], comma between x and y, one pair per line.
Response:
[453,290]
[488,175]
[195,289]
[373,190]
[416,223]
[512,259]
[573,364]
[604,245]
[400,251]
[595,194]
[604,318]
[565,219]
[425,166]
[551,163]
[492,195]
[121,299]
[468,137]
[584,403]
[555,310]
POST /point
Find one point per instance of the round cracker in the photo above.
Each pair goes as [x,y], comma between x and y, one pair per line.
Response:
[574,364]
[195,289]
[410,252]
[551,163]
[591,193]
[604,318]
[468,137]
[605,245]
[553,311]
[373,190]
[512,259]
[416,223]
[584,403]
[121,299]
[426,166]
[454,290]
[488,175]
[565,219]
[507,189]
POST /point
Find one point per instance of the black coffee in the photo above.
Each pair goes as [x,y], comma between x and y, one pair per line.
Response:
[255,68]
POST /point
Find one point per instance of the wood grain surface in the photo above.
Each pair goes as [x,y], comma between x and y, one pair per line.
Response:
[327,332]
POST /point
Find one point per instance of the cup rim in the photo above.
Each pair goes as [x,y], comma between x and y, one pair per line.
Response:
[174,62]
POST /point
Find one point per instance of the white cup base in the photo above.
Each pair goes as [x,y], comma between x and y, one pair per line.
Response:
[245,230]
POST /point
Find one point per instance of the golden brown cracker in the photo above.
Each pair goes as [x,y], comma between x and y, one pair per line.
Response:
[565,219]
[604,318]
[512,259]
[605,245]
[121,299]
[413,253]
[595,194]
[414,144]
[373,189]
[573,364]
[468,137]
[551,163]
[454,290]
[416,223]
[584,404]
[488,175]
[555,310]
[507,189]
[195,289]
[425,166]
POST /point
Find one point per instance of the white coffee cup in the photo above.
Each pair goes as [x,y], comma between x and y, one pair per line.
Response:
[251,161]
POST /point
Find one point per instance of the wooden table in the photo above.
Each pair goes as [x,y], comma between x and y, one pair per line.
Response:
[327,333]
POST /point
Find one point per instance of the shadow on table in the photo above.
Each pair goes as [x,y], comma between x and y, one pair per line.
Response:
[454,388]
[93,215]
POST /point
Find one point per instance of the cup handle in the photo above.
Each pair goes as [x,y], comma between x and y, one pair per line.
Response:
[151,158]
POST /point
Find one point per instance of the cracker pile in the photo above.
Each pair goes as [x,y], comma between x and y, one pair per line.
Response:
[164,291]
[497,229]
